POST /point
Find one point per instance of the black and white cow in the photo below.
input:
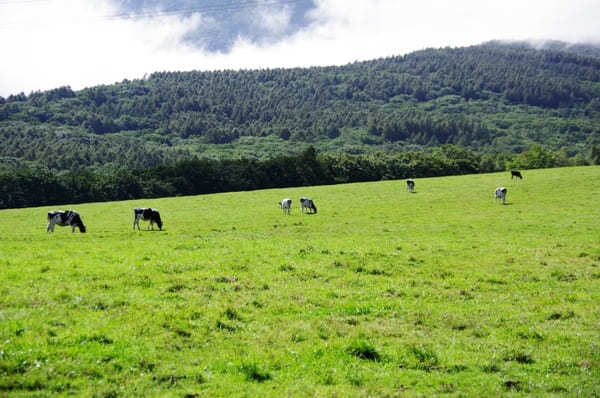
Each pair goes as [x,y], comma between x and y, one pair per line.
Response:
[500,193]
[410,185]
[306,203]
[515,173]
[146,214]
[286,205]
[63,218]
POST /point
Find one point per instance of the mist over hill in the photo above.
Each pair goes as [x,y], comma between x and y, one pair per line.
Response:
[583,49]
[495,98]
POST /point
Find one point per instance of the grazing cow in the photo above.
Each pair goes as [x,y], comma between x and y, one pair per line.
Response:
[515,173]
[63,218]
[500,193]
[306,203]
[146,214]
[410,185]
[286,205]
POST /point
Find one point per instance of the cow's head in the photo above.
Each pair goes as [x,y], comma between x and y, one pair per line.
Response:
[156,216]
[78,223]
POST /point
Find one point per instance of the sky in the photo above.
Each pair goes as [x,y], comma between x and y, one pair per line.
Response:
[81,43]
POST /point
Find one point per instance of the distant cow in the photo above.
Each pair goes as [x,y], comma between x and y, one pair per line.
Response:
[515,173]
[306,203]
[410,185]
[63,218]
[286,205]
[146,214]
[500,193]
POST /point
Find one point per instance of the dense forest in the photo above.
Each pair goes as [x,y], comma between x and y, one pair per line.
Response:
[496,101]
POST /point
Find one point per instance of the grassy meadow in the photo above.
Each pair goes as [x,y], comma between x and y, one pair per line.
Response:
[382,293]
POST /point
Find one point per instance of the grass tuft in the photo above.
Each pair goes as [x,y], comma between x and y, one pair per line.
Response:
[530,335]
[364,350]
[231,314]
[421,358]
[27,385]
[491,367]
[176,288]
[286,268]
[226,279]
[183,333]
[225,326]
[513,385]
[252,372]
[519,357]
[97,338]
[99,306]
[562,276]
[555,316]
[170,379]
[558,390]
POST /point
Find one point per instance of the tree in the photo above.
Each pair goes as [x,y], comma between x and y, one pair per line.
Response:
[535,158]
[595,154]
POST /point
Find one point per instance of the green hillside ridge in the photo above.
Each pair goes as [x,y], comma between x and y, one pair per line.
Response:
[382,293]
[491,98]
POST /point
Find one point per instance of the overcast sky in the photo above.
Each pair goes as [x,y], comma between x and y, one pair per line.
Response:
[50,43]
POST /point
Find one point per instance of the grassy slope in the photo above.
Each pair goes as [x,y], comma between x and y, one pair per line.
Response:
[381,292]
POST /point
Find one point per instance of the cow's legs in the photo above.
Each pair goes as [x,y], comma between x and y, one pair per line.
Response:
[50,227]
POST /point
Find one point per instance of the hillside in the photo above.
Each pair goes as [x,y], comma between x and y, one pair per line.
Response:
[437,293]
[490,98]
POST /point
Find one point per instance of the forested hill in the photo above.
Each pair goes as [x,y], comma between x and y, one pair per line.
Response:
[490,98]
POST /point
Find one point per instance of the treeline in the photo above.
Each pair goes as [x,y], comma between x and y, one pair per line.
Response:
[28,187]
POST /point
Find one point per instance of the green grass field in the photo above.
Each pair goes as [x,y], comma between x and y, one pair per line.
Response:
[382,293]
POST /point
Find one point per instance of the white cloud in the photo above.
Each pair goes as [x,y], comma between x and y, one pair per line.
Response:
[51,43]
[274,21]
[77,43]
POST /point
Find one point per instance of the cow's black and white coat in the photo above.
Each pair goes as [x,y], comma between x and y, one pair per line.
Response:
[410,185]
[306,203]
[286,205]
[146,214]
[63,218]
[500,193]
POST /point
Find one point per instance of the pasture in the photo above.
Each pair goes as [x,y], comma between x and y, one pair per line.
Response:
[382,293]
